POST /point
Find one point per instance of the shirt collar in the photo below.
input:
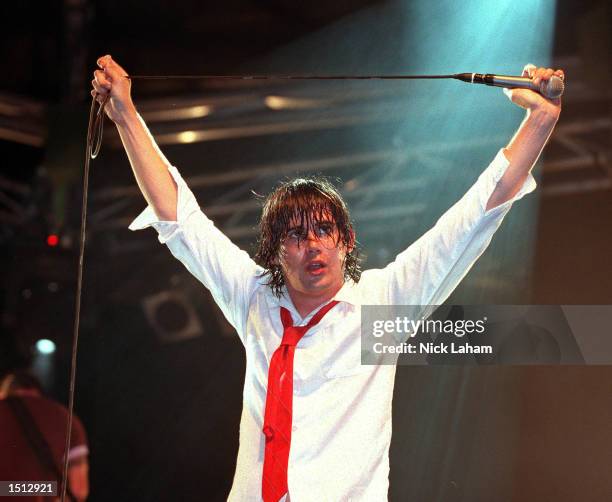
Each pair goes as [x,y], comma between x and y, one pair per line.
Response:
[348,293]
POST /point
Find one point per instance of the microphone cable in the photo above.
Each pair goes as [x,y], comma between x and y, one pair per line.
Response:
[92,148]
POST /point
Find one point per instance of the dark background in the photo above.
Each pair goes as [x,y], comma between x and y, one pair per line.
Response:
[160,374]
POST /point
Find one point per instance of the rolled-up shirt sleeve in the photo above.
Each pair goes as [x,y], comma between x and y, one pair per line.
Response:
[186,206]
[431,268]
[228,272]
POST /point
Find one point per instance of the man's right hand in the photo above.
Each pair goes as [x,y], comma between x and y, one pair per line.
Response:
[110,79]
[148,162]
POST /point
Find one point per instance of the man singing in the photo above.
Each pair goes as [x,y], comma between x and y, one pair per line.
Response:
[316,424]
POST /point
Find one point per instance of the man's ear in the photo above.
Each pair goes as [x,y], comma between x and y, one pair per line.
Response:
[351,245]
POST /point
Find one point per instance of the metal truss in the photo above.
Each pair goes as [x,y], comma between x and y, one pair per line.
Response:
[577,157]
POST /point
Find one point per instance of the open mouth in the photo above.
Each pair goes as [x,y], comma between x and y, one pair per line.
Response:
[315,267]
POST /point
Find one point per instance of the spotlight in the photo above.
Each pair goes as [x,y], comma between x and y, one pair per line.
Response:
[45,346]
[187,137]
[287,103]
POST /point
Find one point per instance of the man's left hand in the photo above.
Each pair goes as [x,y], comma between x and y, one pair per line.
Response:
[531,100]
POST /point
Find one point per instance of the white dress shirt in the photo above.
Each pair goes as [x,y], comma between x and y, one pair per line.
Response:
[341,409]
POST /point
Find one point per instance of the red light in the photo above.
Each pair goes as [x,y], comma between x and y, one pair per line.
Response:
[52,240]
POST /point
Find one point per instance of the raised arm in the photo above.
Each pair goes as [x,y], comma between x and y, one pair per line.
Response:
[429,270]
[527,144]
[148,162]
[227,271]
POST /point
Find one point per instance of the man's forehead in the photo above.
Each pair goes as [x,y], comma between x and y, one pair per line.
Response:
[298,219]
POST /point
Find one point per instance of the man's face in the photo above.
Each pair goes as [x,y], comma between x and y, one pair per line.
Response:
[312,262]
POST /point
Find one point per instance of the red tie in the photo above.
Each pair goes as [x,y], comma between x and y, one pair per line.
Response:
[279,405]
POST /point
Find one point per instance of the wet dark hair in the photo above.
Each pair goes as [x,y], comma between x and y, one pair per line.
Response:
[307,200]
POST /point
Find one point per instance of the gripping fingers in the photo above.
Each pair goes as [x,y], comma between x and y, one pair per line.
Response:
[529,70]
[542,74]
[101,86]
[99,89]
[102,79]
[99,97]
[104,61]
[111,70]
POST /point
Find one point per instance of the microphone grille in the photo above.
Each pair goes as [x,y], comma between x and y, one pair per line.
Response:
[553,87]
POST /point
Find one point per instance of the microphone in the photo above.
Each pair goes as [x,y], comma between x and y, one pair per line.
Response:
[551,88]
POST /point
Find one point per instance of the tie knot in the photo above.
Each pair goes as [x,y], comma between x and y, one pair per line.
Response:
[292,335]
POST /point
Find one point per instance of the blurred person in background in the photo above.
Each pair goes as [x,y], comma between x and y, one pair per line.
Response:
[33,437]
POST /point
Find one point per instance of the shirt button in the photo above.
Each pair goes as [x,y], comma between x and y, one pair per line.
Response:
[294,428]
